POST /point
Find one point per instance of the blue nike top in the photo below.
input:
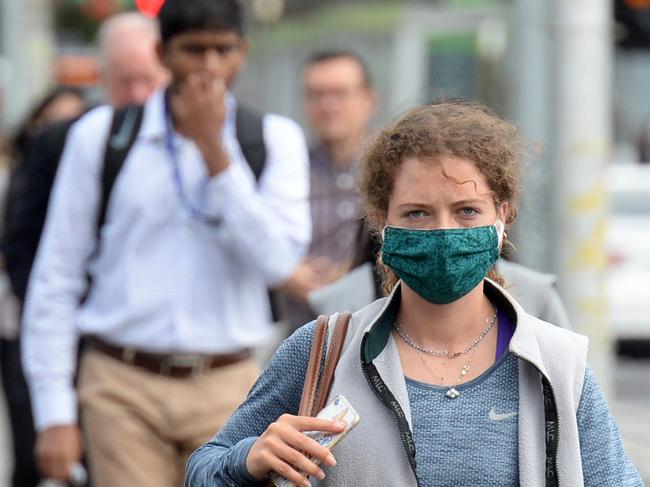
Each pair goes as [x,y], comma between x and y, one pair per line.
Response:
[486,411]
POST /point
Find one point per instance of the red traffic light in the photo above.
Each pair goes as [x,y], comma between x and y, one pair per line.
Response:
[149,7]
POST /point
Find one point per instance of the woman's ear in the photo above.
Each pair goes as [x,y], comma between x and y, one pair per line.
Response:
[502,211]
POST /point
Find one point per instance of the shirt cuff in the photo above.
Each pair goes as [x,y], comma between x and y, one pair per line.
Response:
[239,472]
[54,407]
[223,189]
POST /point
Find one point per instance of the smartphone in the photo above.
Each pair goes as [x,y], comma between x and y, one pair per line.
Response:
[339,409]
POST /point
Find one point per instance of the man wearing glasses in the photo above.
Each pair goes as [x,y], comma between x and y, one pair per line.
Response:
[339,102]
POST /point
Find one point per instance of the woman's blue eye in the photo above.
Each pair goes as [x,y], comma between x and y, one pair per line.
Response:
[415,213]
[467,211]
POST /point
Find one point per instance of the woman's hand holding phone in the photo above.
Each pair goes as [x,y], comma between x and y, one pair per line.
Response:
[285,449]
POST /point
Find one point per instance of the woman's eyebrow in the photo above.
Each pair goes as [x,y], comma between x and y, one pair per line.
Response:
[475,201]
[413,204]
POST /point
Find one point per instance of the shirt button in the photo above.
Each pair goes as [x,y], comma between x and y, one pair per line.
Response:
[346,210]
[345,181]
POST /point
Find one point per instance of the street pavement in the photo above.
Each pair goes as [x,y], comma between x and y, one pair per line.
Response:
[630,404]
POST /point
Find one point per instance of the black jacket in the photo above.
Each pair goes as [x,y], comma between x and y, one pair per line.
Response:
[29,192]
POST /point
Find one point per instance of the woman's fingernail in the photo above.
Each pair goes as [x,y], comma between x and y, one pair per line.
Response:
[330,460]
[320,475]
[340,424]
[306,483]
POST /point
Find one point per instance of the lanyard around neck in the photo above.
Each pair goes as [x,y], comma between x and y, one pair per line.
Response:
[173,150]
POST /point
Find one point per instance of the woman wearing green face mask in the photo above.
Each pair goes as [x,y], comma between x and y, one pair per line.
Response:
[454,382]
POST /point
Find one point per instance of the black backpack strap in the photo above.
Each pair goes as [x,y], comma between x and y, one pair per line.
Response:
[250,134]
[124,130]
[249,126]
[125,126]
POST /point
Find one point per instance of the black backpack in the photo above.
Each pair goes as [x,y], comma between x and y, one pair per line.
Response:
[124,130]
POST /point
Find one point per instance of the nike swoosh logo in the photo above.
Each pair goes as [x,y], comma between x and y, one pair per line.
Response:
[494,416]
[121,139]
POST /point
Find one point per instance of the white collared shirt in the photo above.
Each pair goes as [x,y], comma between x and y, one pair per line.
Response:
[163,280]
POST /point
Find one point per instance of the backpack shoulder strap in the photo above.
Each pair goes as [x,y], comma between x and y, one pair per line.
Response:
[250,134]
[125,126]
[124,130]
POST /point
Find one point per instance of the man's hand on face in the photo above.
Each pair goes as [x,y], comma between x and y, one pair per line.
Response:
[199,110]
[58,448]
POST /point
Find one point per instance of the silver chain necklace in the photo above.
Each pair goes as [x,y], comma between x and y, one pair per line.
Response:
[452,392]
[446,353]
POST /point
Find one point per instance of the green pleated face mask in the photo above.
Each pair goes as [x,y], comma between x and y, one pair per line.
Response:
[442,265]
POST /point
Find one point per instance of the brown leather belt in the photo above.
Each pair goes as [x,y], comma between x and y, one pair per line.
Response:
[171,365]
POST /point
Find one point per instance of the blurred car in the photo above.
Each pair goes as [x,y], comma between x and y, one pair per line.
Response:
[628,248]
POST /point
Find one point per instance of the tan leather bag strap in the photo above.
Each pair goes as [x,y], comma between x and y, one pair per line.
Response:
[317,387]
[333,355]
[311,378]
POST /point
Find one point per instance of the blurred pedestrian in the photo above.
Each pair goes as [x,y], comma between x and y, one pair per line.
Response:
[454,382]
[130,68]
[339,101]
[535,291]
[58,104]
[130,72]
[179,260]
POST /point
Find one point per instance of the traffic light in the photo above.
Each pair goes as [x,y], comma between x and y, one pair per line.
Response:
[633,16]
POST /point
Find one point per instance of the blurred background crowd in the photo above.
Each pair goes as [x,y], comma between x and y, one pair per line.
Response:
[572,75]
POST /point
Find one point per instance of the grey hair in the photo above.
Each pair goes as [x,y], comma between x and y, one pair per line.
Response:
[127,21]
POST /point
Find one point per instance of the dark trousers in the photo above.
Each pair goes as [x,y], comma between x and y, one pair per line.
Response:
[25,473]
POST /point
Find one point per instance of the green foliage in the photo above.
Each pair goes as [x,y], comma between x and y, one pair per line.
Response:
[335,17]
[464,42]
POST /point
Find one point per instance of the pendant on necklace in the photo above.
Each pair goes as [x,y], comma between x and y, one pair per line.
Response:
[452,393]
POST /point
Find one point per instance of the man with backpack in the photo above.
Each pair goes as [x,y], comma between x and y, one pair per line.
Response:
[130,72]
[170,253]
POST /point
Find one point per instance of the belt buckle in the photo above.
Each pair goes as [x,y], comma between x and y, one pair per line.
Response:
[195,362]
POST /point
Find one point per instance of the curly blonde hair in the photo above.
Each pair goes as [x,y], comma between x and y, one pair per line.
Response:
[448,128]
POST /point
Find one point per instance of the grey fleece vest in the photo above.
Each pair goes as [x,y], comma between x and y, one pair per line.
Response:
[375,452]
